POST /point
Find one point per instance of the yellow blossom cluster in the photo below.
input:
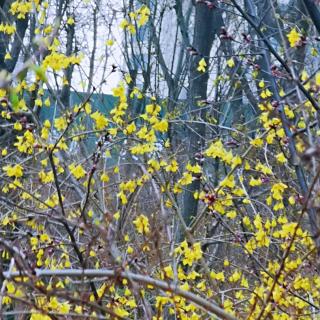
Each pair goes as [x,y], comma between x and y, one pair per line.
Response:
[189,253]
[139,18]
[58,61]
[7,28]
[21,8]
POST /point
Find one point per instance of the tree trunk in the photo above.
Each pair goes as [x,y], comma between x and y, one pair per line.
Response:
[208,22]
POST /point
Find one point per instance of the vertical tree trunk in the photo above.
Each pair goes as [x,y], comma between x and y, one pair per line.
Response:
[65,92]
[208,22]
[314,12]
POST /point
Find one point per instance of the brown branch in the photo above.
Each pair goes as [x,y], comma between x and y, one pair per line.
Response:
[205,304]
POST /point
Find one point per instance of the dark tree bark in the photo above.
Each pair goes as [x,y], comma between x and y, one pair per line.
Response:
[206,26]
[17,44]
[313,12]
[65,92]
[21,25]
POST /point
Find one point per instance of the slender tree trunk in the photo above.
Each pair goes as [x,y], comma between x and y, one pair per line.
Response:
[21,25]
[314,12]
[208,22]
[65,92]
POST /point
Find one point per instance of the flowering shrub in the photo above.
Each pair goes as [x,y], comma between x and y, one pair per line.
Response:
[220,223]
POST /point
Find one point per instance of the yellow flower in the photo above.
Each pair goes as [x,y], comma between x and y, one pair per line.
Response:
[7,56]
[217,276]
[246,221]
[262,239]
[46,177]
[128,78]
[25,143]
[104,177]
[228,305]
[8,29]
[121,312]
[87,108]
[318,79]
[153,109]
[216,150]
[143,14]
[235,276]
[314,52]
[232,214]
[132,29]
[292,200]
[17,126]
[228,182]
[70,21]
[21,8]
[161,126]
[293,37]
[202,65]
[230,63]
[39,316]
[45,238]
[124,23]
[55,61]
[277,190]
[100,120]
[281,157]
[77,171]
[257,142]
[255,182]
[47,102]
[48,29]
[130,128]
[168,271]
[60,123]
[194,169]
[109,42]
[173,166]
[13,171]
[289,113]
[47,124]
[154,165]
[304,75]
[266,94]
[186,179]
[44,133]
[123,198]
[190,254]
[142,224]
